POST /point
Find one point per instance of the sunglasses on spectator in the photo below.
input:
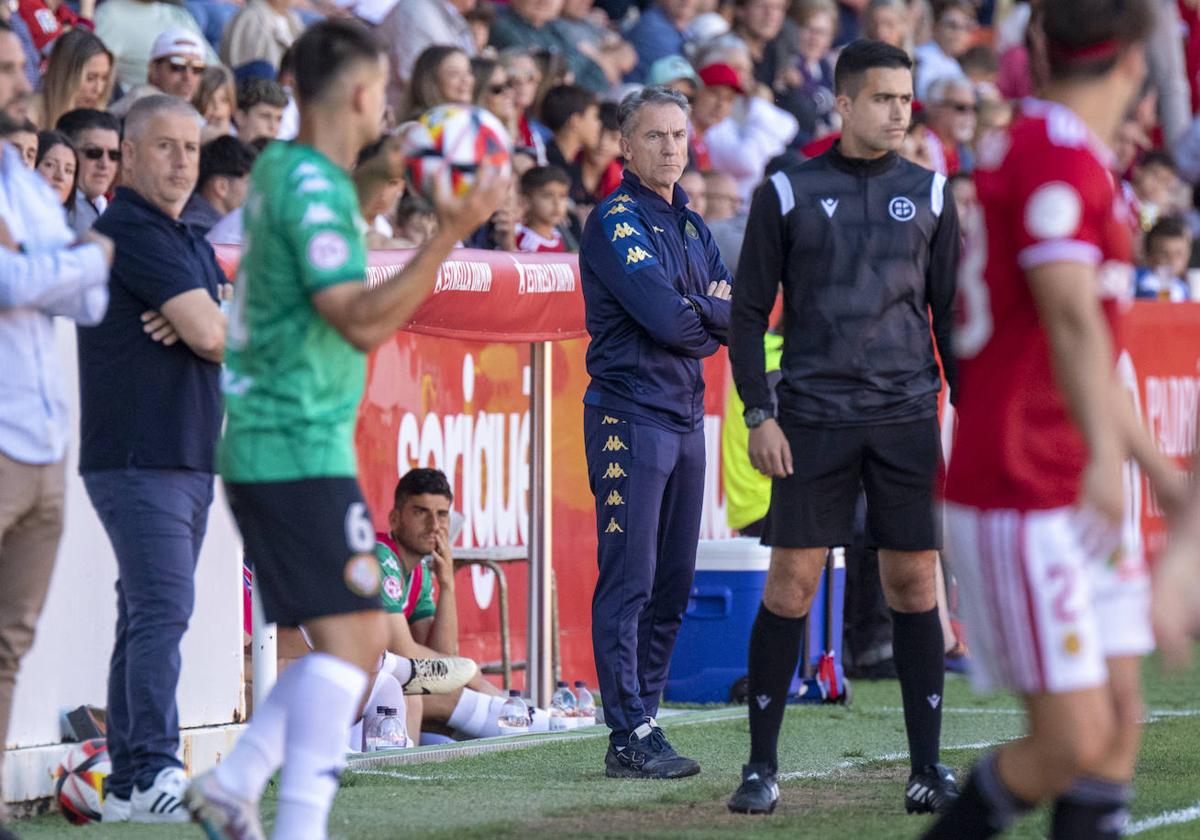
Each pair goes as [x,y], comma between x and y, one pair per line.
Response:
[179,64]
[496,90]
[95,153]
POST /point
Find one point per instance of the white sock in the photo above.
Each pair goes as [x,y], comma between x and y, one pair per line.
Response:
[259,751]
[476,714]
[325,702]
[398,666]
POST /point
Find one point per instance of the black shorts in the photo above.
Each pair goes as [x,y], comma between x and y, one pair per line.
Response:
[896,465]
[311,545]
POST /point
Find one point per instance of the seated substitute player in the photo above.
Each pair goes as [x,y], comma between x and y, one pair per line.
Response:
[301,320]
[865,245]
[421,625]
[1034,495]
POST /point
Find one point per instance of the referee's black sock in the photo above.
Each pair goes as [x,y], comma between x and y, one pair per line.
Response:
[984,809]
[1093,809]
[774,654]
[919,651]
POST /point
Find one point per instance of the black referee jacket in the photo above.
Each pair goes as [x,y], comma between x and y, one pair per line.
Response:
[866,251]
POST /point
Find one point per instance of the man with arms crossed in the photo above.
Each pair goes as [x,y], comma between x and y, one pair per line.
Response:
[865,245]
[301,321]
[656,298]
[1053,612]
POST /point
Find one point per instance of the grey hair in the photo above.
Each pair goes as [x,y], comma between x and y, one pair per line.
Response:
[627,111]
[938,89]
[149,107]
[714,50]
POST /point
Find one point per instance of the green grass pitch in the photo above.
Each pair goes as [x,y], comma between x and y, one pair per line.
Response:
[843,771]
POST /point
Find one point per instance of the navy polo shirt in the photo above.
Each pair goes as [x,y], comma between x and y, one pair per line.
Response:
[143,404]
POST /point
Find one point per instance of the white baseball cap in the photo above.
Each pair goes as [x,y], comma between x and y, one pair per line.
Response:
[178,42]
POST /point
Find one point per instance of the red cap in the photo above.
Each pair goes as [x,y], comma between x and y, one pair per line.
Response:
[721,75]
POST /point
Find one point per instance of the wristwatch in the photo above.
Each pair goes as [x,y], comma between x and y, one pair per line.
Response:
[755,417]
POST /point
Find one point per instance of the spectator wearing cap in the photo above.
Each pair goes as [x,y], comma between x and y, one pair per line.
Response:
[954,24]
[177,63]
[131,29]
[225,165]
[660,31]
[526,24]
[951,105]
[413,26]
[720,88]
[261,31]
[260,104]
[96,136]
[756,131]
[674,71]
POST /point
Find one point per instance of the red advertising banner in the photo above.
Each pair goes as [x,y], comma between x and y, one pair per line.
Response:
[485,295]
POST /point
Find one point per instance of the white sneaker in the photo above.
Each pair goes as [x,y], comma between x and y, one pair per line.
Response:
[222,815]
[115,809]
[440,676]
[163,801]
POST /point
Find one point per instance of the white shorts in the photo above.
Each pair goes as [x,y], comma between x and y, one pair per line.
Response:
[1042,616]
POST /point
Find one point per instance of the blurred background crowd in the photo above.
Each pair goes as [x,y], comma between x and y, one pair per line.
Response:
[759,75]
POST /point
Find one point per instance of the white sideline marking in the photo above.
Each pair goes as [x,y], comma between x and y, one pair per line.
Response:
[1151,716]
[869,759]
[1183,815]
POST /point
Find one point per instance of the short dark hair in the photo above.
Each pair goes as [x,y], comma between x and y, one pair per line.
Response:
[251,92]
[1085,38]
[861,56]
[940,7]
[981,58]
[411,205]
[539,176]
[1156,157]
[326,50]
[26,127]
[610,116]
[74,123]
[420,481]
[1168,227]
[562,103]
[226,155]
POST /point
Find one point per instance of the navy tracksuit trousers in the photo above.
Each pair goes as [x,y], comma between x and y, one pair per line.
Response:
[649,489]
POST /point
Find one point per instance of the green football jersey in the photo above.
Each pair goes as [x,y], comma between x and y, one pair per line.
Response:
[292,384]
[410,594]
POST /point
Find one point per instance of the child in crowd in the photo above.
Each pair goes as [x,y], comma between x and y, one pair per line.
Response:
[544,194]
[601,164]
[1168,249]
[416,220]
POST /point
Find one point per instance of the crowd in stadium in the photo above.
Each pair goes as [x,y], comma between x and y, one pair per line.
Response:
[757,72]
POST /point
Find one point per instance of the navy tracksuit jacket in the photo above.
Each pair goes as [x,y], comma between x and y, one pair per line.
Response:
[646,265]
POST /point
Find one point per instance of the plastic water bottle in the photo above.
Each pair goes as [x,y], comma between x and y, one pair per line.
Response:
[514,715]
[585,705]
[371,729]
[562,708]
[392,731]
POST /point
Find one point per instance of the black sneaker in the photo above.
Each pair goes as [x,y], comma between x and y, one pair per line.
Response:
[758,792]
[648,755]
[931,791]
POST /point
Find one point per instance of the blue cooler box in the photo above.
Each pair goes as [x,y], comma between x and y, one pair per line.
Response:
[711,650]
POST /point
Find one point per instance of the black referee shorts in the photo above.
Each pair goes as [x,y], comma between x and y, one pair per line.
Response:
[311,546]
[896,464]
